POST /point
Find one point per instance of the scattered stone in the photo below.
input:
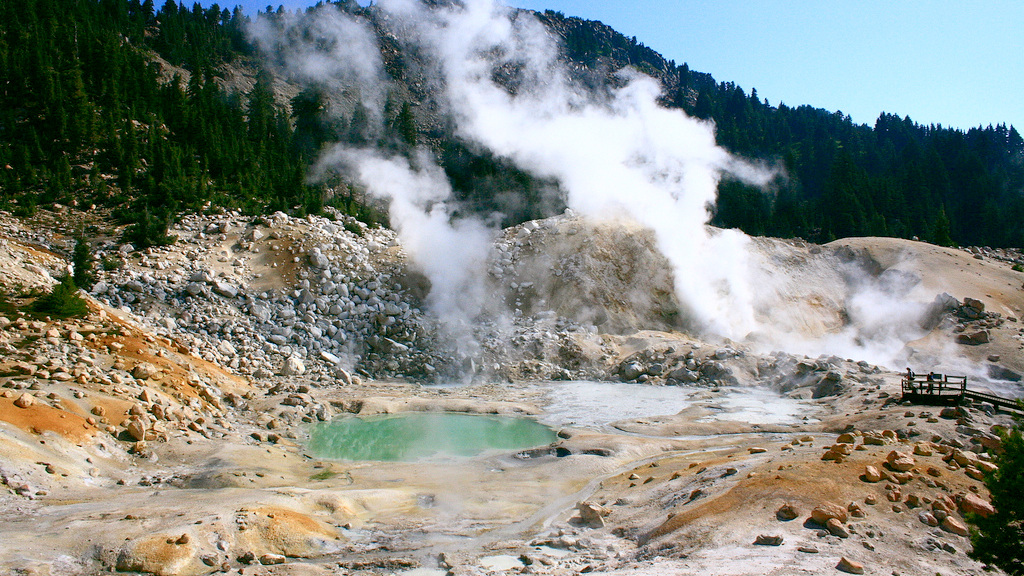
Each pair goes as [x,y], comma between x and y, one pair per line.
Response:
[25,400]
[592,514]
[807,550]
[951,524]
[899,461]
[765,540]
[271,559]
[855,510]
[827,511]
[850,566]
[973,504]
[787,512]
[871,474]
[836,528]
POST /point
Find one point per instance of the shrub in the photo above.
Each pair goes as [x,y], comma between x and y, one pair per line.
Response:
[111,263]
[62,302]
[999,538]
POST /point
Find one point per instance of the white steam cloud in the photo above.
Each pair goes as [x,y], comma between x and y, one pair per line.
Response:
[450,253]
[613,153]
[616,154]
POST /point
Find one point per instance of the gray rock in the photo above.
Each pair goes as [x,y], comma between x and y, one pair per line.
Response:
[293,366]
[318,260]
[631,370]
[329,358]
[225,289]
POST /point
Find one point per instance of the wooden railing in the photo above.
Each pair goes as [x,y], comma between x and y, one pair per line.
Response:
[941,389]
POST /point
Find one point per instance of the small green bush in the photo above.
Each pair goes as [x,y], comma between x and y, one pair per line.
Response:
[62,302]
[111,263]
[1018,268]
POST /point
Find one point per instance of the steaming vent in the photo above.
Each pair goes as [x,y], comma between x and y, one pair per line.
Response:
[637,183]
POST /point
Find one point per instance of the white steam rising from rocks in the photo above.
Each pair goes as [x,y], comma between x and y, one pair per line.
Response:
[451,253]
[496,75]
[614,154]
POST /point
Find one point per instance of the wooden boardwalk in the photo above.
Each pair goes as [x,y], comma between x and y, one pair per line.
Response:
[943,390]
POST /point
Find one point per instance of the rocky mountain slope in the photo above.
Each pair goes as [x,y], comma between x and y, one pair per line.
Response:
[167,431]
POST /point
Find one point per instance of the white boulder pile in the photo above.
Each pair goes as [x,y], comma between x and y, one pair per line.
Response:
[282,296]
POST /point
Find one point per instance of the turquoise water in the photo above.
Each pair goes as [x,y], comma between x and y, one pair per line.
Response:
[415,436]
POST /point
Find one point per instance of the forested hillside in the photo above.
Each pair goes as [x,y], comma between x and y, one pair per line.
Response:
[123,105]
[896,178]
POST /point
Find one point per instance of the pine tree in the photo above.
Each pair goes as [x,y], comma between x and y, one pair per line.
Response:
[81,260]
[998,539]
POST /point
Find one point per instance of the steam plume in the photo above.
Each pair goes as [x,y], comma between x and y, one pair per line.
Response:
[495,73]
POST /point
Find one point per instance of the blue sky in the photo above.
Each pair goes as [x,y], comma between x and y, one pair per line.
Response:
[958,64]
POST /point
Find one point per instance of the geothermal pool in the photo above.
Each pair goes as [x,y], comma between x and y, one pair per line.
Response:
[442,436]
[424,436]
[596,405]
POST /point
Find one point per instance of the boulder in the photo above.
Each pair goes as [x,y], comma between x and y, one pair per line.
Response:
[271,559]
[329,358]
[318,260]
[787,512]
[974,338]
[924,449]
[25,400]
[592,514]
[965,458]
[874,439]
[144,370]
[225,289]
[846,438]
[227,349]
[850,566]
[631,370]
[977,305]
[836,528]
[293,366]
[136,428]
[159,554]
[871,474]
[827,511]
[899,461]
[951,524]
[343,376]
[974,504]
